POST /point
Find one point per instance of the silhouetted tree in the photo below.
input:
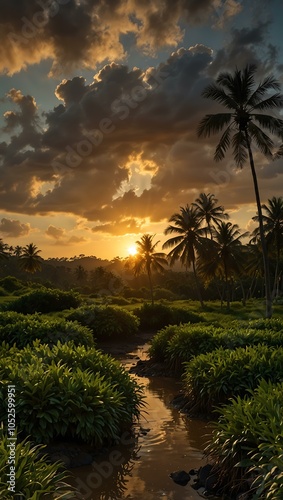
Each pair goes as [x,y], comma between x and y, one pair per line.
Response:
[244,124]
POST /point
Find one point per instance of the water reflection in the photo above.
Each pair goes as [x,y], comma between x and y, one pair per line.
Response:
[139,469]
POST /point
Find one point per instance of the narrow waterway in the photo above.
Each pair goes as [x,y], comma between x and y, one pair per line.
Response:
[165,441]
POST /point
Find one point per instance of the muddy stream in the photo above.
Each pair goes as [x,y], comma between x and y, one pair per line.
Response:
[165,441]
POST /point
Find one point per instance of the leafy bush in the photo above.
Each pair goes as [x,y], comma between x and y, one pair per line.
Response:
[68,392]
[34,477]
[44,301]
[190,341]
[20,329]
[10,284]
[211,379]
[106,321]
[156,316]
[272,324]
[180,343]
[248,442]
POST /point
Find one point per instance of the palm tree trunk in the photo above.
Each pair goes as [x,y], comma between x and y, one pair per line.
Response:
[268,303]
[197,284]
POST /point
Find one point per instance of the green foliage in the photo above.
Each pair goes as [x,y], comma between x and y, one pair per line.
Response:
[44,301]
[68,392]
[248,442]
[180,343]
[35,479]
[11,284]
[20,329]
[106,321]
[118,301]
[211,379]
[154,317]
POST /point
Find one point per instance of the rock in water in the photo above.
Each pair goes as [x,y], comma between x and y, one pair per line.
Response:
[180,477]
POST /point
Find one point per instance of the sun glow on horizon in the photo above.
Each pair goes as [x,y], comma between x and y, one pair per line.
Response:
[132,250]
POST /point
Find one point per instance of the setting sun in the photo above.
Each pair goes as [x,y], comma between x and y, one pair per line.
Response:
[132,250]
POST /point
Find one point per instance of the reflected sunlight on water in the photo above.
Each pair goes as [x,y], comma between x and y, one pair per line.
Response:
[139,469]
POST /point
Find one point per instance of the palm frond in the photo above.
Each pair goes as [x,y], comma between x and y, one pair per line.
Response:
[172,241]
[223,145]
[268,83]
[274,125]
[212,124]
[239,148]
[263,141]
[274,101]
[215,93]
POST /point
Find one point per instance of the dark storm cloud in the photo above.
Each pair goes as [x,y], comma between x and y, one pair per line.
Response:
[76,34]
[247,46]
[78,159]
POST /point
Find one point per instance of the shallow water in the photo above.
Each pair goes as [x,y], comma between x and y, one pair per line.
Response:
[165,441]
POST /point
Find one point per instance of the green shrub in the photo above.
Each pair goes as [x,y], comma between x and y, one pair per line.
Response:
[34,477]
[44,301]
[69,392]
[20,329]
[190,341]
[272,324]
[248,442]
[179,343]
[106,321]
[156,316]
[10,284]
[211,379]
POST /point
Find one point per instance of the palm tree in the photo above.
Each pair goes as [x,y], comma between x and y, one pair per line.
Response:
[244,124]
[210,213]
[18,250]
[30,259]
[148,260]
[273,230]
[3,250]
[223,255]
[189,239]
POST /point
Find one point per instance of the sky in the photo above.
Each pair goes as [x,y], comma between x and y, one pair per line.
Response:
[100,101]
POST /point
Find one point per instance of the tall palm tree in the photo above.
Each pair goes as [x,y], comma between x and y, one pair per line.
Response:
[189,239]
[209,211]
[223,255]
[273,229]
[147,259]
[30,259]
[244,123]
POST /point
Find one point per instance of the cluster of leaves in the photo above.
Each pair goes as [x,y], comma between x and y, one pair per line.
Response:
[176,344]
[106,321]
[21,330]
[68,391]
[44,301]
[248,441]
[155,316]
[34,477]
[211,379]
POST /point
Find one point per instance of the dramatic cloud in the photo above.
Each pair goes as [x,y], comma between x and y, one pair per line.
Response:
[14,228]
[85,33]
[122,151]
